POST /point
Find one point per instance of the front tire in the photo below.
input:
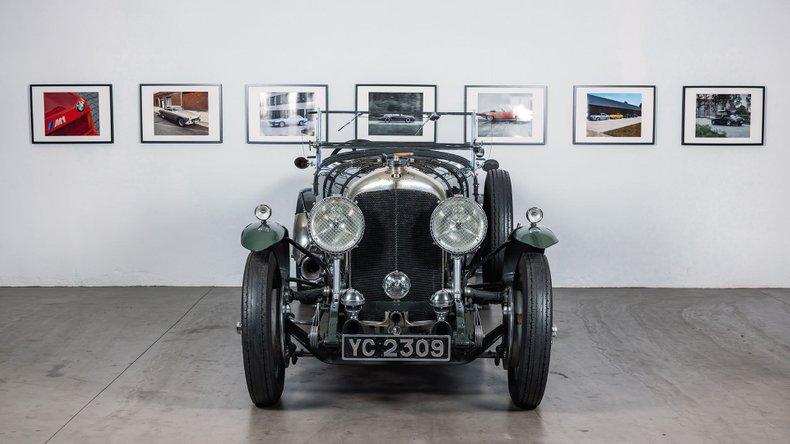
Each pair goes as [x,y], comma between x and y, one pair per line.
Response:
[530,340]
[498,206]
[262,329]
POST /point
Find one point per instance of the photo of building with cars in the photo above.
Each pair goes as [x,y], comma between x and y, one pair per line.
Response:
[287,113]
[614,115]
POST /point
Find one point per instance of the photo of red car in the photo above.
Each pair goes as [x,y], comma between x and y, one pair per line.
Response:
[71,114]
[492,115]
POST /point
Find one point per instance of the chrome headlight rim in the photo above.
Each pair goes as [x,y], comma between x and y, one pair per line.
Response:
[329,201]
[479,214]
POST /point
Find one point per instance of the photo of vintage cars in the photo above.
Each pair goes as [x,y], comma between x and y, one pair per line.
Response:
[395,113]
[179,115]
[728,120]
[295,119]
[396,118]
[723,115]
[397,248]
[71,113]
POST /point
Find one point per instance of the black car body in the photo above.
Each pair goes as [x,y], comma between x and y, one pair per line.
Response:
[728,120]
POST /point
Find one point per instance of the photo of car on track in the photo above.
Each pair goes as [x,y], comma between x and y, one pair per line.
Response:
[71,113]
[181,113]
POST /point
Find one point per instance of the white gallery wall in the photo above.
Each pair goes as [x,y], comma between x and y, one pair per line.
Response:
[133,214]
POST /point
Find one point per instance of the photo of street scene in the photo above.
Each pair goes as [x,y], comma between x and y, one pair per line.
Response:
[181,113]
[71,113]
[286,113]
[505,114]
[723,115]
[395,113]
[614,114]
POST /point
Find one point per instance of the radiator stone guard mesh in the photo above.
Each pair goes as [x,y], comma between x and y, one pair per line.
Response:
[397,236]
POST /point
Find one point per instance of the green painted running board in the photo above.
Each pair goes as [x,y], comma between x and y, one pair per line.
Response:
[538,237]
[262,235]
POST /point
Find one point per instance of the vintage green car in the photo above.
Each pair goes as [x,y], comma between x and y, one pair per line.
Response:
[396,251]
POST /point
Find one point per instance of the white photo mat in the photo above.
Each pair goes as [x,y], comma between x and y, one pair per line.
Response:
[254,133]
[428,105]
[147,92]
[105,113]
[580,117]
[690,116]
[538,93]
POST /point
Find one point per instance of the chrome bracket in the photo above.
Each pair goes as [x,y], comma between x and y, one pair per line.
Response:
[313,335]
[334,306]
[478,327]
[461,336]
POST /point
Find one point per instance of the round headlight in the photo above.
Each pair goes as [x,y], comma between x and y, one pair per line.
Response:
[534,215]
[336,224]
[396,284]
[458,225]
[263,212]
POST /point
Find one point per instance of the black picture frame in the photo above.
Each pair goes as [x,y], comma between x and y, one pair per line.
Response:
[219,100]
[683,117]
[544,111]
[290,85]
[398,85]
[653,135]
[47,142]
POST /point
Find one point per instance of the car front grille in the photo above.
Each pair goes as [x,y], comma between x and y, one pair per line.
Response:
[397,237]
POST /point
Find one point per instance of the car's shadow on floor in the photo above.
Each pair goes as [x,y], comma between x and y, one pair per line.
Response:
[319,385]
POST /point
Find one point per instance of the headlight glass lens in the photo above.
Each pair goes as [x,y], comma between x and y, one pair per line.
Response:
[534,215]
[458,225]
[336,224]
[263,212]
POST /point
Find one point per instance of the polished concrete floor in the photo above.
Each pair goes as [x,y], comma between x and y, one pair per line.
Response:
[164,365]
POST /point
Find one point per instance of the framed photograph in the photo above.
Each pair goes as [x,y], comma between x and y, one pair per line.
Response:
[723,115]
[61,113]
[180,113]
[281,113]
[396,113]
[507,114]
[614,115]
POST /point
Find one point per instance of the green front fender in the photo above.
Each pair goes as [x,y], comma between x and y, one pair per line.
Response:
[537,237]
[525,240]
[262,235]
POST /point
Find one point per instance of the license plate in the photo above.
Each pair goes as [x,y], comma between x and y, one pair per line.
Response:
[396,348]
